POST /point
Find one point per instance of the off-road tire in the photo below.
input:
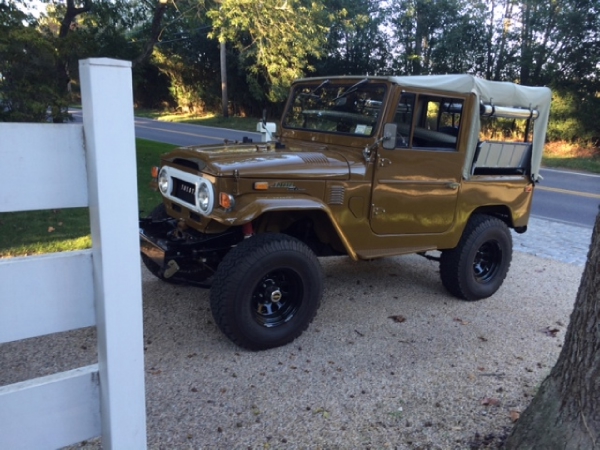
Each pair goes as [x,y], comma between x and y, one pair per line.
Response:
[266,291]
[476,268]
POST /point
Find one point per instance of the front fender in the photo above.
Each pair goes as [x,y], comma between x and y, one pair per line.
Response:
[247,211]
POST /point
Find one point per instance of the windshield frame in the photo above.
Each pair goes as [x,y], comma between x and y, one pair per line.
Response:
[344,107]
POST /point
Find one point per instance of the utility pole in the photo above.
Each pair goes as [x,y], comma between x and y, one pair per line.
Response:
[223,48]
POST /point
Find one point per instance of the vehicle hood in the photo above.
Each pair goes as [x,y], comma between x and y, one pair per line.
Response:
[262,161]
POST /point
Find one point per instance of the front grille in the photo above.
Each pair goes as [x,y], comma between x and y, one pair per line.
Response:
[184,191]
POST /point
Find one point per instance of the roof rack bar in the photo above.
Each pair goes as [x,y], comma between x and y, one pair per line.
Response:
[491,110]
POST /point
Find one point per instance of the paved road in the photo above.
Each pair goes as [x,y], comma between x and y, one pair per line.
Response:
[566,196]
[180,133]
[187,134]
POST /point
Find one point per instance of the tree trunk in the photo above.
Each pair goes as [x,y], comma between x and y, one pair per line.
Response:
[506,24]
[526,36]
[63,77]
[419,35]
[155,30]
[224,96]
[489,43]
[565,413]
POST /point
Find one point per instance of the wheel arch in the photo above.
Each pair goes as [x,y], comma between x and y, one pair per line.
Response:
[315,227]
[501,212]
[264,212]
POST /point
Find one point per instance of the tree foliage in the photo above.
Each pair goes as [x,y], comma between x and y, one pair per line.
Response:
[26,58]
[275,37]
[174,47]
[433,36]
[355,43]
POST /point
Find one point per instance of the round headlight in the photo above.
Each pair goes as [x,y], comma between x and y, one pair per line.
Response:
[205,197]
[163,181]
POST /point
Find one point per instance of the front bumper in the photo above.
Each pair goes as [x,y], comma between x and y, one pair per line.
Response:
[184,256]
[152,248]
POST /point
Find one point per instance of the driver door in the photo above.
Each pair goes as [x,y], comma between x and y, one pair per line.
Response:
[416,184]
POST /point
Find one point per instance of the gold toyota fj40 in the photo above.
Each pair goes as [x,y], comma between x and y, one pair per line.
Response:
[362,166]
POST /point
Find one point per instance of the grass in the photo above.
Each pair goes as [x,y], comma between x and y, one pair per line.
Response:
[59,230]
[31,232]
[565,155]
[148,155]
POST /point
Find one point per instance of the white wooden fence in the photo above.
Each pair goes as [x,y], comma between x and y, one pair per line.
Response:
[47,166]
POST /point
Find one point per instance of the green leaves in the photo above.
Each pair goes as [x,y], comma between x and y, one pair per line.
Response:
[26,59]
[276,37]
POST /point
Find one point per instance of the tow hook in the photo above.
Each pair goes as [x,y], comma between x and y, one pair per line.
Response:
[181,227]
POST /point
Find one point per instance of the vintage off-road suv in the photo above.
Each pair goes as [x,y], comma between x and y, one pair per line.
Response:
[367,167]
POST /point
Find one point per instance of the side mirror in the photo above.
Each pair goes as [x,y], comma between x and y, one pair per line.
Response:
[268,130]
[389,136]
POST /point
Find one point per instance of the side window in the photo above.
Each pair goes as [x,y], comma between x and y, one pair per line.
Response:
[438,122]
[403,118]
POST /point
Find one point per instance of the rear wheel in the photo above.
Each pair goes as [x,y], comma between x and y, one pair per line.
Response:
[266,291]
[477,267]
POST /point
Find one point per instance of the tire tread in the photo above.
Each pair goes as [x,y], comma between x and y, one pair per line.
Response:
[452,260]
[239,260]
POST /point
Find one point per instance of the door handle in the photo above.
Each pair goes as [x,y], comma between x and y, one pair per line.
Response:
[453,185]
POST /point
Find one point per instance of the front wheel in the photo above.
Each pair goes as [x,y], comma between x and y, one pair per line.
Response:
[476,268]
[266,291]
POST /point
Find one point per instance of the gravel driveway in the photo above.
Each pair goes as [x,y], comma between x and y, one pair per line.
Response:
[391,361]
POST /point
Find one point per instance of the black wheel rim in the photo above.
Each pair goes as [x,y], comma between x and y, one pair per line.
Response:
[487,261]
[277,297]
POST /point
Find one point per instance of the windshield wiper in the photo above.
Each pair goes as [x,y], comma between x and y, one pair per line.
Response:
[351,89]
[313,93]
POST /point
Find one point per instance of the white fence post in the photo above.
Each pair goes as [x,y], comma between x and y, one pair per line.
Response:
[108,123]
[46,167]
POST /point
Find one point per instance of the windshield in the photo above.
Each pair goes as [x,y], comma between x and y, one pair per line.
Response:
[336,108]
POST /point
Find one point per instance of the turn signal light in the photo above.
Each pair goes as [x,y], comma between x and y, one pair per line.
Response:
[261,186]
[154,172]
[226,201]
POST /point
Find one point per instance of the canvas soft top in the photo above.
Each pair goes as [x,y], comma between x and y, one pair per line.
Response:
[498,93]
